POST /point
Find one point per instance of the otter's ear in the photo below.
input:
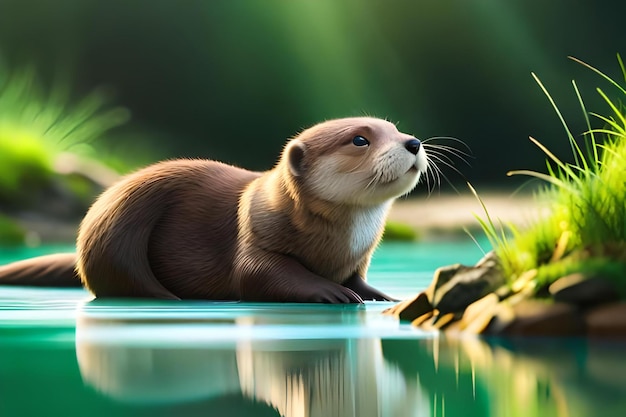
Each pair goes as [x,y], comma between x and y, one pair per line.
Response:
[295,157]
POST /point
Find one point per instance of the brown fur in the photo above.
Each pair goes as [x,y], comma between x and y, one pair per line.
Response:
[301,232]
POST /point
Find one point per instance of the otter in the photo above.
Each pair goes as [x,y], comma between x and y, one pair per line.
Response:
[303,231]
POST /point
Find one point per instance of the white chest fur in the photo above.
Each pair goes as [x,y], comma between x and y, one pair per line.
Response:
[365,227]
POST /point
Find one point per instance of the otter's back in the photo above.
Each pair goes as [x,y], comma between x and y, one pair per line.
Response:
[164,229]
[201,218]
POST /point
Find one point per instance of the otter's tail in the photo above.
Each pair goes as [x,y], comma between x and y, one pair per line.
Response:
[44,271]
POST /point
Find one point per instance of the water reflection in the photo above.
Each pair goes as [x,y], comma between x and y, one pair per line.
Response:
[515,377]
[300,376]
[260,362]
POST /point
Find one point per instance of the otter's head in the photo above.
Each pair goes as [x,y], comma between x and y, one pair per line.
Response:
[360,160]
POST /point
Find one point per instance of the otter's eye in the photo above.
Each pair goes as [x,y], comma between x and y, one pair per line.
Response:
[360,141]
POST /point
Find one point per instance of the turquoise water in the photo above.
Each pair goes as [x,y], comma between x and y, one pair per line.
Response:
[63,354]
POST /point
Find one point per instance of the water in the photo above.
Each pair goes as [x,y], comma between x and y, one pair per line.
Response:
[63,354]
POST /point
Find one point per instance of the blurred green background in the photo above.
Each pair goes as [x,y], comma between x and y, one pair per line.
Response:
[232,80]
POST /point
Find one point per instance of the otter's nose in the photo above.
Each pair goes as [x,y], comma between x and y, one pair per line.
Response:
[412,145]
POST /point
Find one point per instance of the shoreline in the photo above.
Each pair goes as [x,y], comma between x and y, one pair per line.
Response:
[444,216]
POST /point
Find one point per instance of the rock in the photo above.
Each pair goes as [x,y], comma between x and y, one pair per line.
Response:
[454,328]
[607,321]
[524,281]
[503,292]
[435,321]
[480,323]
[478,315]
[442,320]
[409,310]
[456,286]
[415,308]
[537,318]
[477,307]
[504,313]
[441,277]
[503,316]
[490,260]
[395,309]
[422,319]
[583,290]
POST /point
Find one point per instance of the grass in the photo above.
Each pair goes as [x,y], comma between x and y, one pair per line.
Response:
[396,231]
[24,161]
[586,230]
[10,232]
[35,126]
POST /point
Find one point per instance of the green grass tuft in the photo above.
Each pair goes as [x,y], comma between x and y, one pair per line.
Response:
[24,162]
[35,126]
[587,200]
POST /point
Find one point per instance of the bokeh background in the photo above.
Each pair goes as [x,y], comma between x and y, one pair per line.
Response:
[232,80]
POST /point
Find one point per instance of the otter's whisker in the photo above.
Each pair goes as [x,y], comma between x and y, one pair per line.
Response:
[450,150]
[434,172]
[446,152]
[373,181]
[356,169]
[448,138]
[440,173]
[428,169]
[451,166]
[446,160]
[441,155]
